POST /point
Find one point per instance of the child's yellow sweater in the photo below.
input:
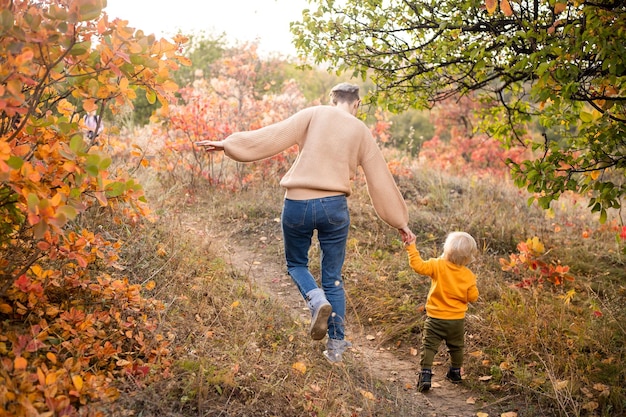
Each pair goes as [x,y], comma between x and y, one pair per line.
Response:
[452,286]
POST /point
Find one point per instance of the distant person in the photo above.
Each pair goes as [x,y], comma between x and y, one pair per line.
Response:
[332,144]
[452,287]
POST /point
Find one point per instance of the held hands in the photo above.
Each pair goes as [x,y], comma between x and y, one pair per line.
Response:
[408,236]
[211,145]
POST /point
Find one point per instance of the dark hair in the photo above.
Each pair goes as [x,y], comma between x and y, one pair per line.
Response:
[344,93]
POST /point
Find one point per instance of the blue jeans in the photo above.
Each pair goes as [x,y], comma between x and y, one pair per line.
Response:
[330,217]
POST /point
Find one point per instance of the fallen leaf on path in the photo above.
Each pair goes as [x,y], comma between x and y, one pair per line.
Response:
[435,385]
[476,353]
[368,395]
[370,337]
[485,378]
[413,352]
[471,400]
[482,415]
[300,367]
[509,414]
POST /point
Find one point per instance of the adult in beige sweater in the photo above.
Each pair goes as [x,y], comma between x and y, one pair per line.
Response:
[332,144]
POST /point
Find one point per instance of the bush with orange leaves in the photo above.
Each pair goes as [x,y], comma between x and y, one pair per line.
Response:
[70,325]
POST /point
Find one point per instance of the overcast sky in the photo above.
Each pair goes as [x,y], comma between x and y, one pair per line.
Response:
[242,20]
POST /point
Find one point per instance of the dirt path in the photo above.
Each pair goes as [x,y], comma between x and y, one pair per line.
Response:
[400,375]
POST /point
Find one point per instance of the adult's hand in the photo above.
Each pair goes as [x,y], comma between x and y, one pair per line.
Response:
[407,235]
[211,145]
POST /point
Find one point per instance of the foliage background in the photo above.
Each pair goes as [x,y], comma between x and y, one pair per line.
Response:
[110,303]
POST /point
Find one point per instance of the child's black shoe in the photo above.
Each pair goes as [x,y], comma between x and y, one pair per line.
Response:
[454,375]
[425,380]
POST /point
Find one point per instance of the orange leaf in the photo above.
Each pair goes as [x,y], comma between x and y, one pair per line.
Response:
[491,6]
[51,357]
[559,7]
[51,378]
[20,363]
[505,6]
[90,105]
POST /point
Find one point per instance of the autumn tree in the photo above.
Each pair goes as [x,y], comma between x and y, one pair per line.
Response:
[457,148]
[558,63]
[238,93]
[69,324]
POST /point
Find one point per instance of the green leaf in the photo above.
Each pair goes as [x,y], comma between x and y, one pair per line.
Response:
[115,189]
[33,201]
[586,117]
[151,96]
[6,20]
[68,211]
[105,163]
[15,162]
[77,144]
[89,10]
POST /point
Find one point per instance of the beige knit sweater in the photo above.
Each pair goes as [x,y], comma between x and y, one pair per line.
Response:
[332,143]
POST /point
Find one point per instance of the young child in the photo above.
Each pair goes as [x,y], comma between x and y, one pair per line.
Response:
[452,287]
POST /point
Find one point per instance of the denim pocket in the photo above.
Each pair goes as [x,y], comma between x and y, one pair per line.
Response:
[336,210]
[294,212]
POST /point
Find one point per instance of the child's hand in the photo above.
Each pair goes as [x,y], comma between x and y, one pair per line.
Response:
[408,236]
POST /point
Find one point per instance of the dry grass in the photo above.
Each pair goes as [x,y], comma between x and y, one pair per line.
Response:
[233,350]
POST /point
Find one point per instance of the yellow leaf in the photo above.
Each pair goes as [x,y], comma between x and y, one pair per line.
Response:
[368,395]
[300,367]
[482,415]
[170,86]
[5,309]
[150,285]
[509,414]
[77,380]
[535,245]
[20,363]
[235,304]
[491,6]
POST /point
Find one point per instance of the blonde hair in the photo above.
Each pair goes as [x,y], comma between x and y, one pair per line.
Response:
[459,248]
